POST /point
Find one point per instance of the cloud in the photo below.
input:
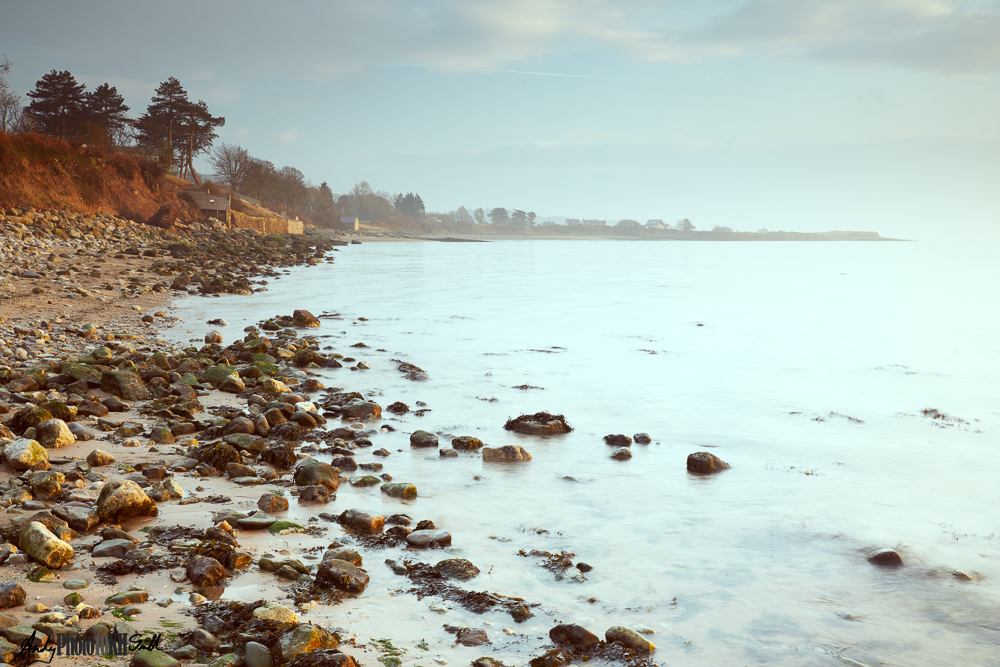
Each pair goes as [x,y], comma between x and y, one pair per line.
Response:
[291,136]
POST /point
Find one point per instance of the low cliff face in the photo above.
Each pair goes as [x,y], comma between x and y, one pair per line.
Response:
[48,173]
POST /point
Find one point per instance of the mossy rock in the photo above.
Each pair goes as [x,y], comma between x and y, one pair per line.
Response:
[284,527]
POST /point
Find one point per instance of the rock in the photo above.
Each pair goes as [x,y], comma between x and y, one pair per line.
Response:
[22,454]
[234,470]
[161,435]
[75,584]
[423,439]
[82,433]
[618,440]
[622,454]
[213,338]
[126,385]
[343,576]
[303,318]
[311,472]
[584,567]
[363,410]
[232,385]
[46,483]
[642,438]
[886,558]
[54,433]
[256,655]
[127,597]
[448,454]
[123,499]
[272,502]
[11,595]
[350,555]
[98,458]
[629,638]
[472,637]
[366,480]
[457,568]
[429,539]
[239,425]
[574,636]
[43,546]
[362,521]
[540,423]
[325,657]
[705,462]
[399,490]
[506,454]
[303,638]
[154,658]
[467,443]
[276,612]
[112,548]
[257,521]
[316,493]
[205,640]
[205,571]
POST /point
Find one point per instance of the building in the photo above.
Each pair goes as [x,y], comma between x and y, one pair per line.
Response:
[595,223]
[547,223]
[573,222]
[214,206]
[655,224]
[349,223]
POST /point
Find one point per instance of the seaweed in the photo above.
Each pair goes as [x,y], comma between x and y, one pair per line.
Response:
[540,423]
[430,582]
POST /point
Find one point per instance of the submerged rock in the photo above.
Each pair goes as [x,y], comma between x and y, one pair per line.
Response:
[886,558]
[506,454]
[467,443]
[705,462]
[423,439]
[457,568]
[629,638]
[622,454]
[429,539]
[575,636]
[618,440]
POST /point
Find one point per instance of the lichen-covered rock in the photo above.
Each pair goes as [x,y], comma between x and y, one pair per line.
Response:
[303,318]
[205,571]
[272,502]
[217,454]
[27,417]
[304,638]
[467,443]
[11,595]
[123,499]
[457,568]
[339,574]
[575,636]
[705,462]
[43,546]
[629,638]
[402,490]
[540,423]
[23,453]
[126,385]
[99,457]
[506,454]
[356,519]
[311,472]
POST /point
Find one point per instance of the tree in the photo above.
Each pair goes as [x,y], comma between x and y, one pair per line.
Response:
[717,228]
[106,109]
[324,199]
[292,184]
[531,218]
[479,216]
[462,214]
[684,225]
[410,204]
[519,217]
[259,176]
[199,126]
[57,104]
[159,125]
[233,163]
[762,230]
[633,224]
[498,216]
[10,102]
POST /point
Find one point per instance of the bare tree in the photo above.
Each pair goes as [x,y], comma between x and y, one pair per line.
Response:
[233,163]
[479,215]
[10,102]
[462,214]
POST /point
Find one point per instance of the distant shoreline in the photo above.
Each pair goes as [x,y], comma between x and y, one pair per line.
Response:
[610,233]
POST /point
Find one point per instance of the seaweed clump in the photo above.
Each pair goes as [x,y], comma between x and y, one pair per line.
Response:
[430,581]
[540,423]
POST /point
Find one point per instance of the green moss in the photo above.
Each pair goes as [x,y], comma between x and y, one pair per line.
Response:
[284,527]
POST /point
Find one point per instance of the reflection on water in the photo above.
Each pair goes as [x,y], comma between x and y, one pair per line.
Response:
[805,366]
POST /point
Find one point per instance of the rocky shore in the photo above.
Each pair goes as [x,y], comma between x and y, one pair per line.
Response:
[142,479]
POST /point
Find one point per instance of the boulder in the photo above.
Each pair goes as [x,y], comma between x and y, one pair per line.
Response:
[303,318]
[363,410]
[540,423]
[316,493]
[54,433]
[44,547]
[126,385]
[618,440]
[123,499]
[115,548]
[423,439]
[622,454]
[311,472]
[886,558]
[272,502]
[213,338]
[402,490]
[642,438]
[303,638]
[99,457]
[630,638]
[705,462]
[467,443]
[342,575]
[11,595]
[457,568]
[429,539]
[205,571]
[46,483]
[472,637]
[153,658]
[23,453]
[506,454]
[80,519]
[574,636]
[362,521]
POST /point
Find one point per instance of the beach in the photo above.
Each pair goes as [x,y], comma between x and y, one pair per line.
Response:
[294,400]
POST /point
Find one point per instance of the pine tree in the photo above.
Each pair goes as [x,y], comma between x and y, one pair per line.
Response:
[105,108]
[158,126]
[58,104]
[325,197]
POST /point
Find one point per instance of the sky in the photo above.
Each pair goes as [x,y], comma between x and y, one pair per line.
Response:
[799,115]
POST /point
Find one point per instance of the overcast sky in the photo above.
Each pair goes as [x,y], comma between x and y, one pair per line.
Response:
[786,114]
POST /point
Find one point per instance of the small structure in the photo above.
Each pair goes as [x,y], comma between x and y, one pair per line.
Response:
[349,222]
[215,206]
[547,223]
[655,224]
[573,222]
[595,223]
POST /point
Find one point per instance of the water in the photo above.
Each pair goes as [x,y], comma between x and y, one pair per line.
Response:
[806,366]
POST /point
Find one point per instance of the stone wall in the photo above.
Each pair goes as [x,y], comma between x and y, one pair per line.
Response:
[265,225]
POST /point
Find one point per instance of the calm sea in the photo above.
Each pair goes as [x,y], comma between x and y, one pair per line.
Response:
[807,366]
